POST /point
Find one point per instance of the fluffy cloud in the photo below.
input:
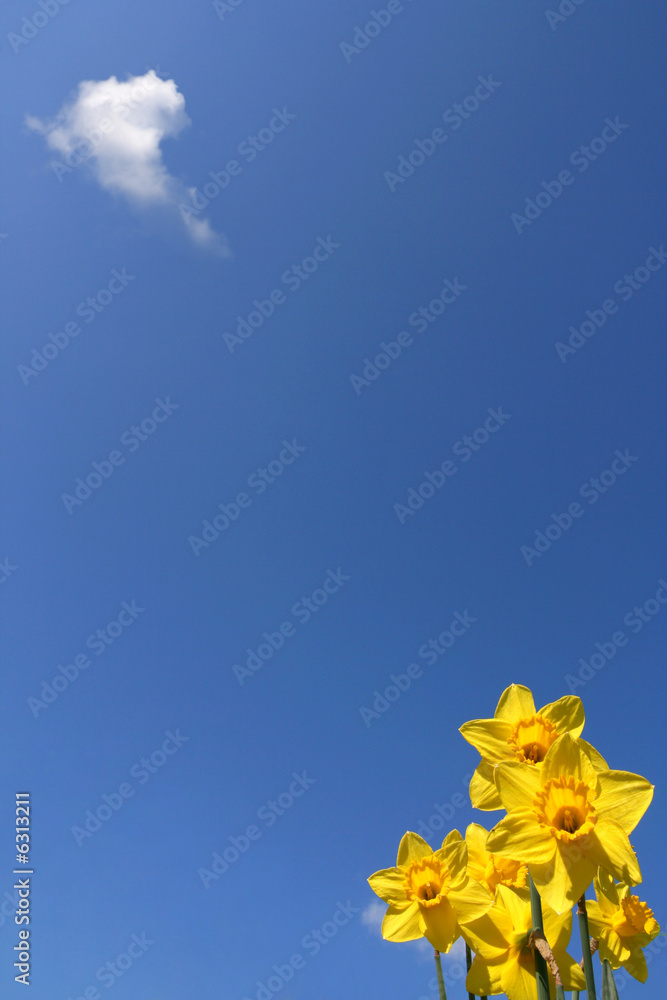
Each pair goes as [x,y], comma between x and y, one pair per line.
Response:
[116,129]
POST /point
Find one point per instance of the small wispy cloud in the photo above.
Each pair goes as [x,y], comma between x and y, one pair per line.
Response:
[115,129]
[373,916]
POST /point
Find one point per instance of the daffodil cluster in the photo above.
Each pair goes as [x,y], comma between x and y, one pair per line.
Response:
[567,823]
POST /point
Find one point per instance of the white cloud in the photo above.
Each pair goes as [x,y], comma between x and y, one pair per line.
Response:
[373,916]
[116,129]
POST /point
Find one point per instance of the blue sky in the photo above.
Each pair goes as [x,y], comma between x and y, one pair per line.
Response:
[212,412]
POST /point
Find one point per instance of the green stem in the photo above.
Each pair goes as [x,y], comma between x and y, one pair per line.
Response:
[541,974]
[471,996]
[586,948]
[609,991]
[441,979]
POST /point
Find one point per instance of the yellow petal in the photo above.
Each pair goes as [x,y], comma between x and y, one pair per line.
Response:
[609,847]
[484,978]
[598,921]
[613,949]
[567,715]
[518,784]
[518,978]
[483,791]
[565,757]
[402,924]
[557,927]
[411,847]
[519,836]
[570,971]
[489,737]
[608,894]
[516,703]
[477,854]
[470,900]
[517,905]
[388,885]
[456,855]
[489,935]
[595,757]
[624,797]
[441,927]
[636,966]
[562,881]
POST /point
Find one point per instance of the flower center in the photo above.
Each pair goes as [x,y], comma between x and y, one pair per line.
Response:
[532,737]
[426,881]
[502,871]
[633,917]
[564,804]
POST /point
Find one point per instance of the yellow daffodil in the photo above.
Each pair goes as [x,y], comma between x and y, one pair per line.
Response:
[488,869]
[622,925]
[566,818]
[428,892]
[504,960]
[517,732]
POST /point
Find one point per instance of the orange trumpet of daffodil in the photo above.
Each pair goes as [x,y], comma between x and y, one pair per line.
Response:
[517,732]
[429,892]
[566,818]
[622,926]
[489,869]
[504,960]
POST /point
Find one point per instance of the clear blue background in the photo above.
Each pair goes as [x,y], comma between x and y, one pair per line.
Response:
[334,506]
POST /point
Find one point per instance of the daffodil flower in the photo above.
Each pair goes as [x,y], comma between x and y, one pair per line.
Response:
[489,869]
[517,732]
[566,818]
[429,892]
[505,961]
[622,926]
